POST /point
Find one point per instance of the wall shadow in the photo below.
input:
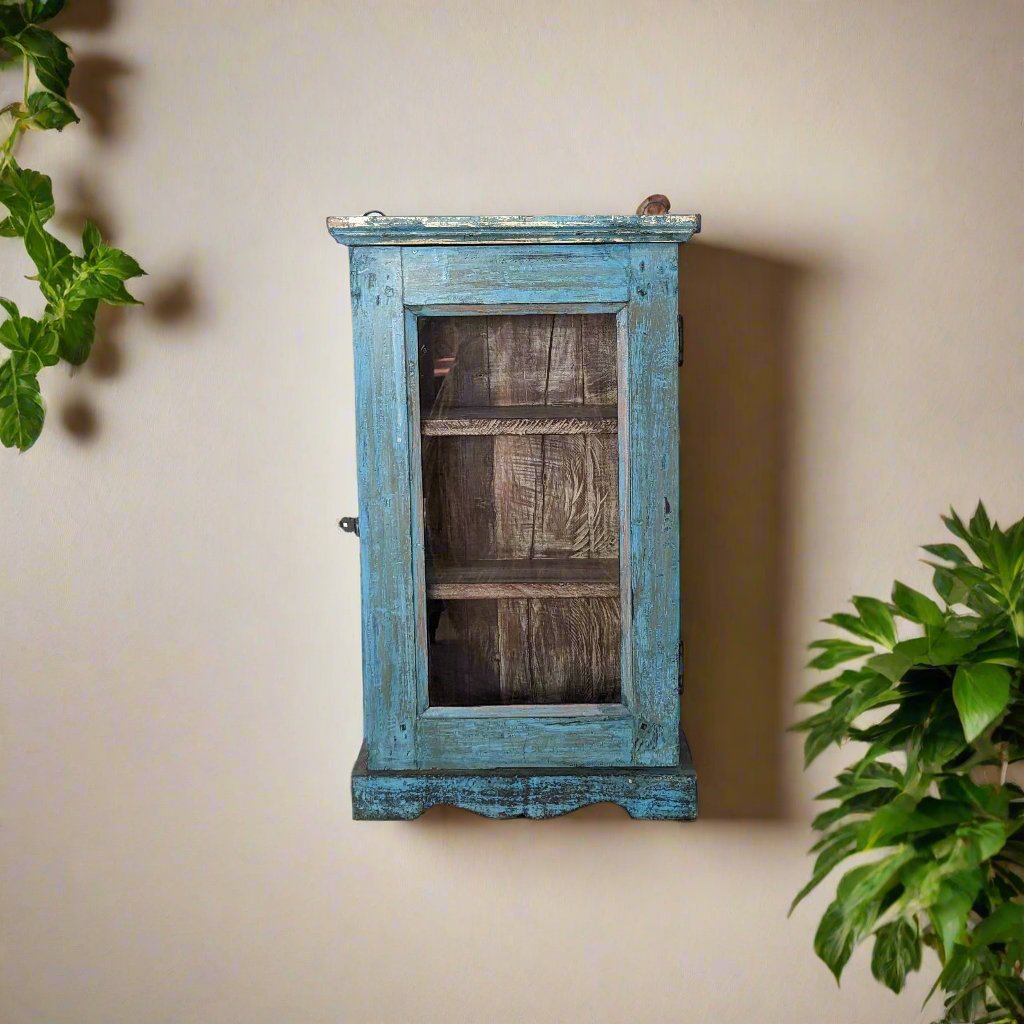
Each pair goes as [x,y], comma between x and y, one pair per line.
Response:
[735,407]
[98,83]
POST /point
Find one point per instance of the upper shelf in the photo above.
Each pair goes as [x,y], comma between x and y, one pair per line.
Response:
[378,230]
[521,420]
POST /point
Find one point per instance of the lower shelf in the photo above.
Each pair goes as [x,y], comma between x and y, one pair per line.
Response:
[667,793]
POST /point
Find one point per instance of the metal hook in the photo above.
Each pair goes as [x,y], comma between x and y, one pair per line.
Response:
[379,213]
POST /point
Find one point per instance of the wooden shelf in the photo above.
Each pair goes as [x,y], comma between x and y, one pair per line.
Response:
[521,420]
[537,577]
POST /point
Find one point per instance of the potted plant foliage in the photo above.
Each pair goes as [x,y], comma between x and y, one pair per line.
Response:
[929,811]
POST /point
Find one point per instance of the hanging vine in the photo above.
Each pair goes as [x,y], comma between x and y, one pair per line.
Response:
[72,285]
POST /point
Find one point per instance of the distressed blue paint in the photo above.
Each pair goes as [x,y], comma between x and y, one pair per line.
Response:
[517,761]
[515,274]
[626,681]
[520,737]
[652,465]
[512,230]
[385,502]
[512,308]
[417,567]
[664,793]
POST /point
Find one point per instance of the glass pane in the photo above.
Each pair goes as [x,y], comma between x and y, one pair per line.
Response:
[520,492]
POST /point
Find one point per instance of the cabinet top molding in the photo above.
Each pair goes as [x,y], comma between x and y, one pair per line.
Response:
[379,230]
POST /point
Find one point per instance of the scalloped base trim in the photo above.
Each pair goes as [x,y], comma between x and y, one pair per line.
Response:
[666,793]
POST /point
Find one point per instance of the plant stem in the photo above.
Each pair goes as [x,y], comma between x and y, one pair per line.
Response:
[7,149]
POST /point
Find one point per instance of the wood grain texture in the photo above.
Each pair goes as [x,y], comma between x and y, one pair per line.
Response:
[652,466]
[385,504]
[552,498]
[438,231]
[471,275]
[666,793]
[522,420]
[523,577]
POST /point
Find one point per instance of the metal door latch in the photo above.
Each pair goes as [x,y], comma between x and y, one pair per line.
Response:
[349,524]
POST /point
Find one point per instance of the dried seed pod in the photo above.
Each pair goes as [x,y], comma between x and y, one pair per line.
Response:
[653,205]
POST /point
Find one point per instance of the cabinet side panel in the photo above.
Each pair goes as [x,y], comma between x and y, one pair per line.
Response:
[652,462]
[385,507]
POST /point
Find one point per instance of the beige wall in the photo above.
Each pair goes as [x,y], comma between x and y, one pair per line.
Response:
[179,641]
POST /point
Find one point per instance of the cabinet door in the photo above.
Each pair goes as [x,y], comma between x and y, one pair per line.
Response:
[518,418]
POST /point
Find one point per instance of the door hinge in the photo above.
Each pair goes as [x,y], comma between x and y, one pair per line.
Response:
[679,321]
[682,664]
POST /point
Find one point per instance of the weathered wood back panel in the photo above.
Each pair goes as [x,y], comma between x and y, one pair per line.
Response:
[530,492]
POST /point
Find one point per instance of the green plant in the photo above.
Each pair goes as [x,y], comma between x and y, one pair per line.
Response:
[927,808]
[72,285]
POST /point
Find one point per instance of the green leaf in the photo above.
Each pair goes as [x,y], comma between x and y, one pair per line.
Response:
[829,857]
[820,738]
[950,909]
[835,652]
[868,883]
[21,407]
[47,110]
[822,692]
[104,259]
[946,648]
[12,20]
[978,543]
[49,57]
[852,915]
[992,801]
[972,844]
[948,553]
[942,740]
[41,10]
[45,251]
[892,666]
[903,817]
[90,238]
[1006,922]
[981,693]
[102,273]
[1010,657]
[980,524]
[33,340]
[27,194]
[877,619]
[915,606]
[897,952]
[948,587]
[107,289]
[56,280]
[915,648]
[851,623]
[76,329]
[835,939]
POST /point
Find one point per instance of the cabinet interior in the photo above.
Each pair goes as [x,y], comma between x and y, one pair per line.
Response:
[518,416]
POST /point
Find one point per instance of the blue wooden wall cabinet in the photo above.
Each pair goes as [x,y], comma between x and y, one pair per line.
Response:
[517,442]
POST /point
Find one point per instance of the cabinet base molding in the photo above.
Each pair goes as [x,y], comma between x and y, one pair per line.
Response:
[667,793]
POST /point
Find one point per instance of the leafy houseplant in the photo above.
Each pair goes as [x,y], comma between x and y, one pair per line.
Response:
[927,809]
[72,285]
